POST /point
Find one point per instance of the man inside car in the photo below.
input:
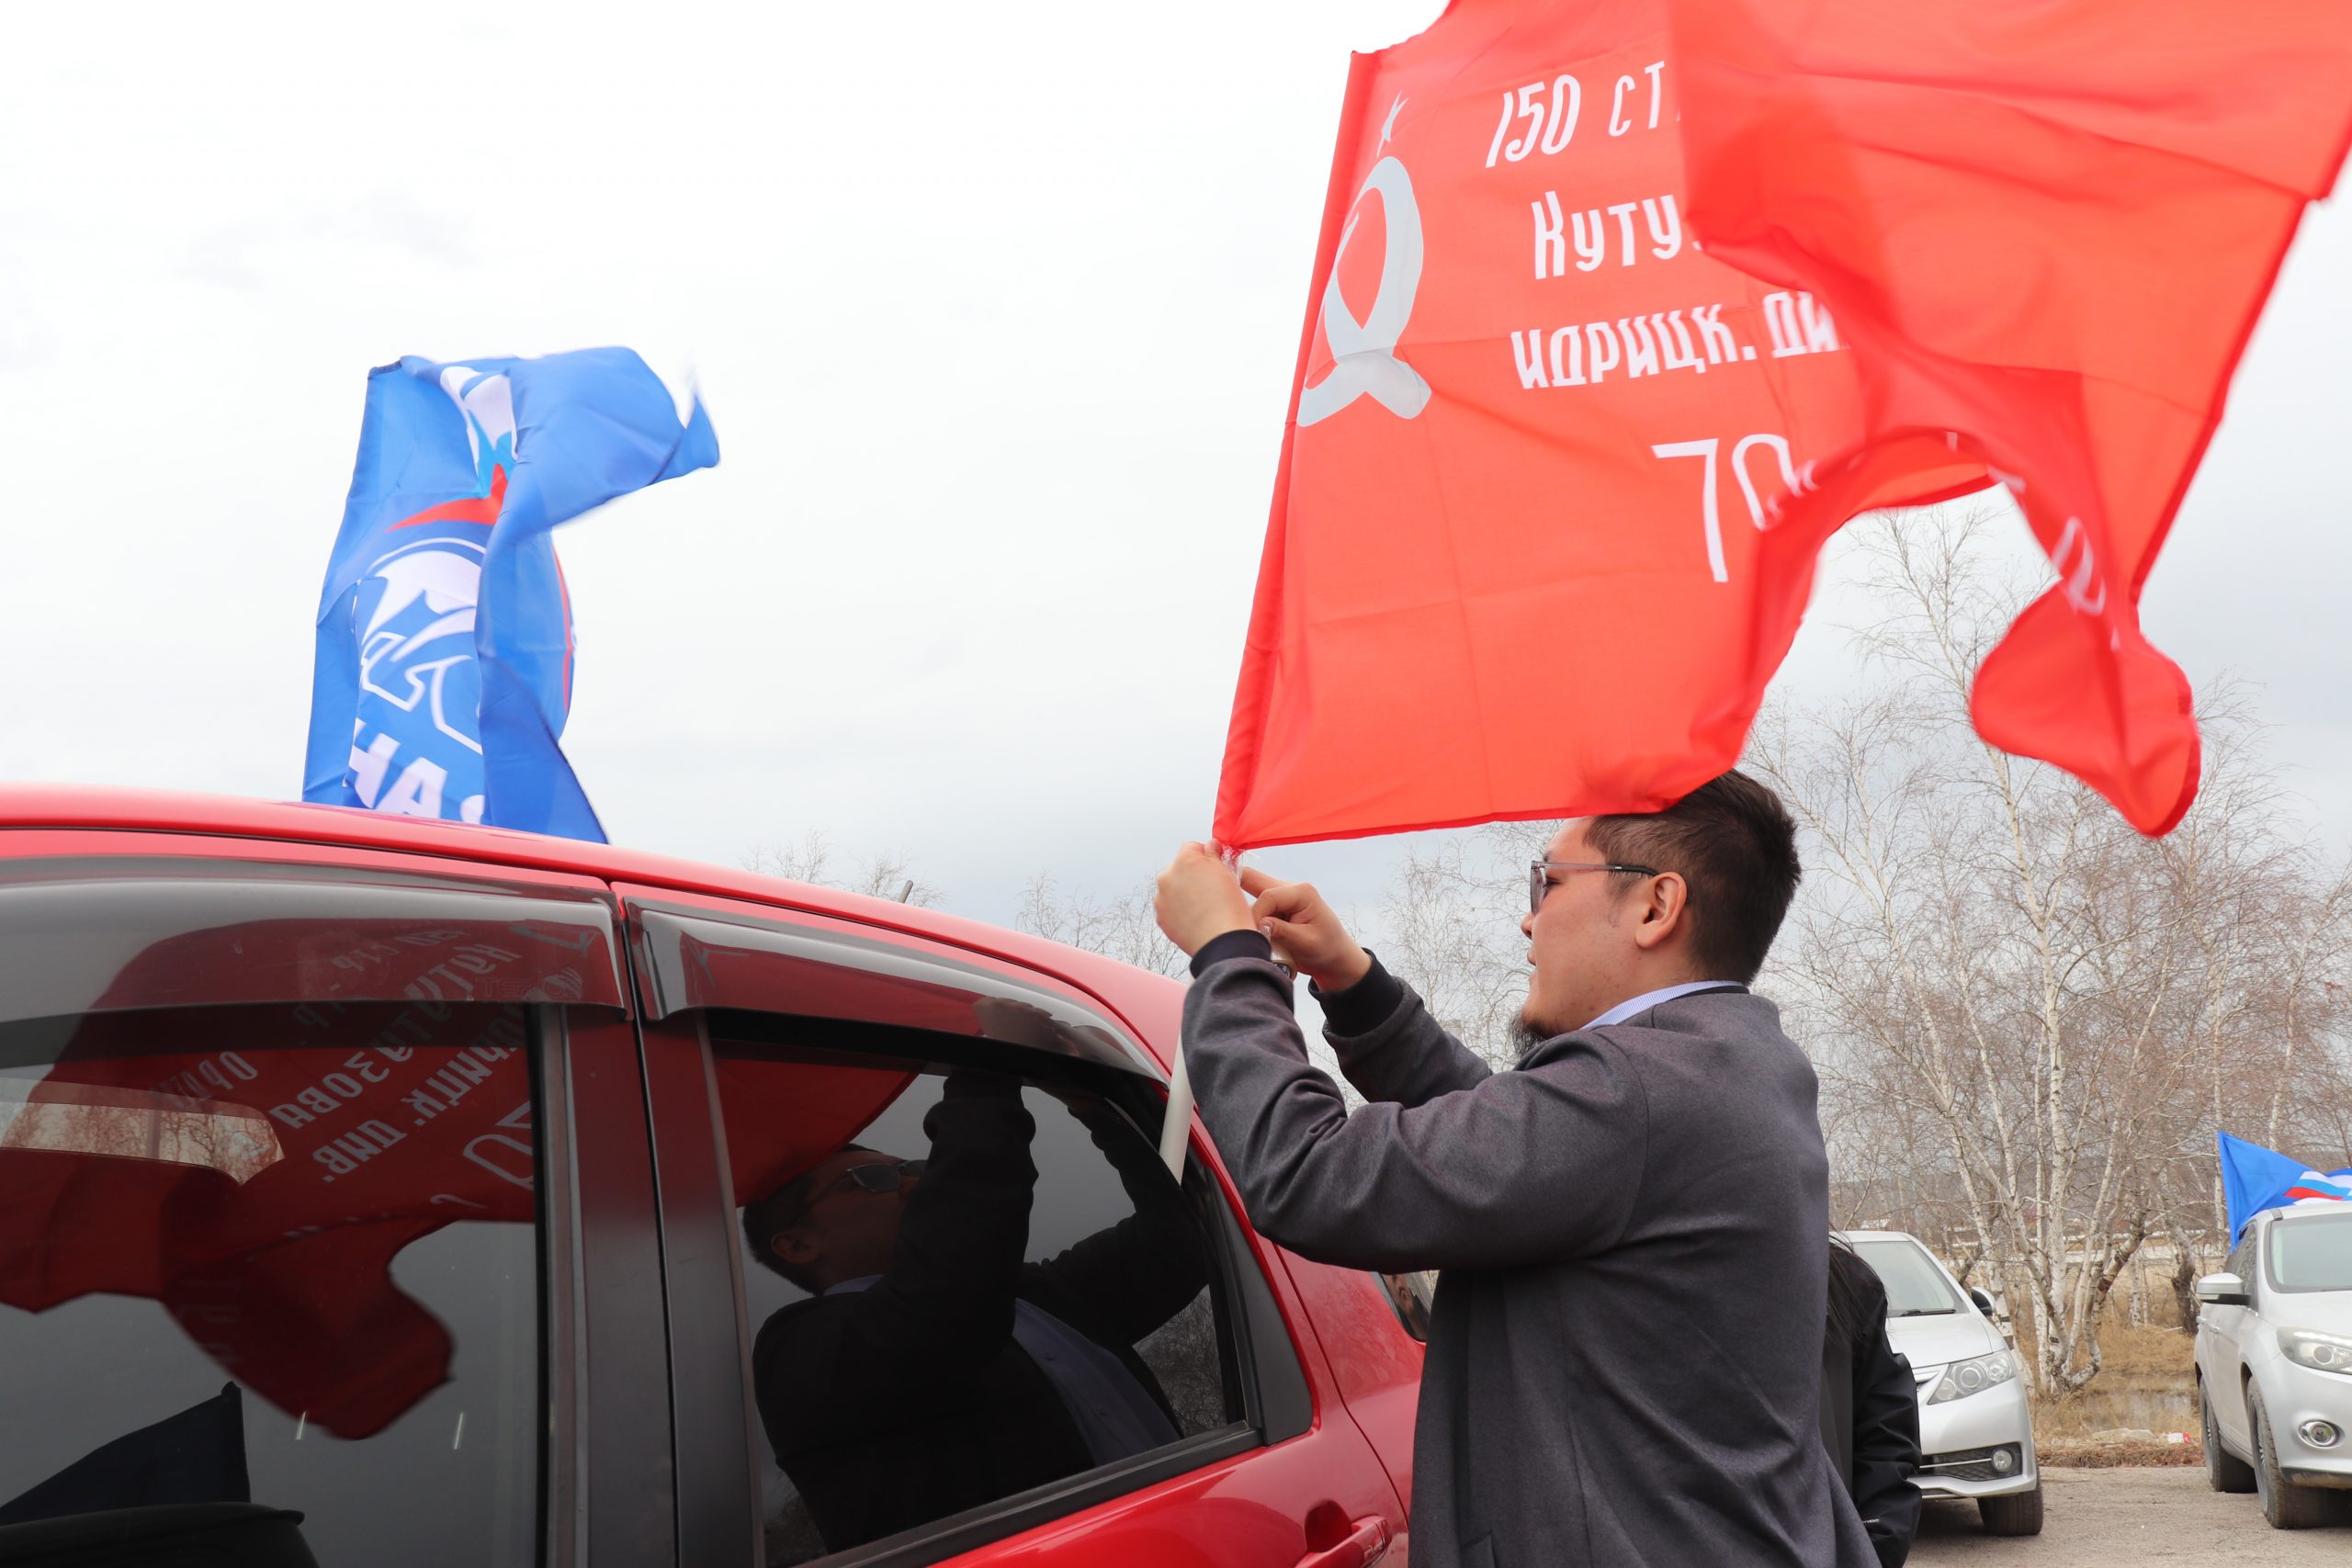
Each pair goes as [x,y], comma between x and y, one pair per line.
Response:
[932,1370]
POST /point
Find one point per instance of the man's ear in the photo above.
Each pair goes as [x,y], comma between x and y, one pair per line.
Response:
[1665,912]
[794,1247]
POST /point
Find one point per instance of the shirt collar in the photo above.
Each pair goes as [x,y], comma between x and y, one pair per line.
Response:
[1649,1000]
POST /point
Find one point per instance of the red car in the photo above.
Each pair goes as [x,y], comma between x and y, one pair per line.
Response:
[387,1191]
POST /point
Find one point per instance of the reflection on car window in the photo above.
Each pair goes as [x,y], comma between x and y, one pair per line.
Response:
[276,1255]
[1411,1296]
[962,1285]
[1914,1286]
[2314,1254]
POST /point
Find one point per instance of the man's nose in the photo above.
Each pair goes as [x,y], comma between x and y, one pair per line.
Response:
[1527,925]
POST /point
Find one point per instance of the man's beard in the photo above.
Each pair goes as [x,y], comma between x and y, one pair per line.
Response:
[1526,1033]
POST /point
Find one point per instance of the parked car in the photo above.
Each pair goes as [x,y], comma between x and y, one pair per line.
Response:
[2274,1365]
[377,1194]
[1975,1425]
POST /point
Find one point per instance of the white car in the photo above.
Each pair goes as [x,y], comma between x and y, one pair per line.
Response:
[1976,1428]
[2274,1364]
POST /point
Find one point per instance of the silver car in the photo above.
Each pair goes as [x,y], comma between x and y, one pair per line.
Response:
[2274,1365]
[1975,1427]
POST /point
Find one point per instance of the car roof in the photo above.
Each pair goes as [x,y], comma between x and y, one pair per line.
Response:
[1148,1001]
[2288,1213]
[1879,1235]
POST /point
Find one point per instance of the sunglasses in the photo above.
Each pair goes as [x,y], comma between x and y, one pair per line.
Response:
[877,1177]
[1539,883]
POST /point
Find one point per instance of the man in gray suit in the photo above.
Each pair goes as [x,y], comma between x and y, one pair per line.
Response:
[1624,1359]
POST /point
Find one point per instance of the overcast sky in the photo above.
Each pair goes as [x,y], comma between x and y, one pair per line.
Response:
[995,309]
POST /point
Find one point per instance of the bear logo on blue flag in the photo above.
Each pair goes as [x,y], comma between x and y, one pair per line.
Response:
[443,670]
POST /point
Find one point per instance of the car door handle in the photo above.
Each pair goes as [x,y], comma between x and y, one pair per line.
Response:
[1366,1544]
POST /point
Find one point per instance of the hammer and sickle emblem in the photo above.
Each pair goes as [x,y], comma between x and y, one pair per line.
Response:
[1365,353]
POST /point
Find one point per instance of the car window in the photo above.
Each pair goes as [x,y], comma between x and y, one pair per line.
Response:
[284,1255]
[961,1285]
[2241,1259]
[1914,1286]
[2313,1254]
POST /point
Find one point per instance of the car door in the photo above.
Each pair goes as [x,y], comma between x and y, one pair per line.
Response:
[300,1257]
[1048,1353]
[2221,1327]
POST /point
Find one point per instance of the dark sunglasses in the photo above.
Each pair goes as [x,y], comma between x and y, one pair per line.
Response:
[875,1176]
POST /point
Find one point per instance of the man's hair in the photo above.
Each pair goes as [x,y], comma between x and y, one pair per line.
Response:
[763,1218]
[1736,845]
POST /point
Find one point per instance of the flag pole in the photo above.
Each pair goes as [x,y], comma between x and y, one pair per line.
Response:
[1178,1121]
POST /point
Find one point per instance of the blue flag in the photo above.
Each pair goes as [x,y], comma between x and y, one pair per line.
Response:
[445,632]
[2255,1178]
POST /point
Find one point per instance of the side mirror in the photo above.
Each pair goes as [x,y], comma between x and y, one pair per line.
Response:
[2221,1290]
[1984,1303]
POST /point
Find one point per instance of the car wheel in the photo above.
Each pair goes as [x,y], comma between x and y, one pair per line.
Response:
[2020,1512]
[2287,1505]
[2224,1472]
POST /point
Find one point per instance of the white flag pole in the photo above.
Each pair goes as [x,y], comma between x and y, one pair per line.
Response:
[1179,1124]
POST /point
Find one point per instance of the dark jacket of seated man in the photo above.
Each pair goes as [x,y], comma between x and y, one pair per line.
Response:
[932,1369]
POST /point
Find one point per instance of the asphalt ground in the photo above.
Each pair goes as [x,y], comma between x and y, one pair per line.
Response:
[2099,1519]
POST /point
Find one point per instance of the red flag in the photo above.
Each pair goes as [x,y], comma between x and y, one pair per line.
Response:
[2046,230]
[1555,478]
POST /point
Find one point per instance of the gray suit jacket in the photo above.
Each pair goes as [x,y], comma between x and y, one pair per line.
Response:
[1624,1357]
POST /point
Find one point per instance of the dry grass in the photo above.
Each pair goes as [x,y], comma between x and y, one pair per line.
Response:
[2148,1384]
[2114,1453]
[2129,1352]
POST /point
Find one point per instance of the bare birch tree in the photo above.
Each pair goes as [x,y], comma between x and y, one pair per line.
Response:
[1121,926]
[2014,994]
[1449,924]
[812,860]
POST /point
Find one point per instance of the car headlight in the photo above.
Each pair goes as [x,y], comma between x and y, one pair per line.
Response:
[2320,1352]
[1973,1376]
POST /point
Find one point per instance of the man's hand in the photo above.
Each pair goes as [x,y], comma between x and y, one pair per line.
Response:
[1198,900]
[1305,930]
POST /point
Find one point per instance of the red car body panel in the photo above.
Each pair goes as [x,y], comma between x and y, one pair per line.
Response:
[1149,1004]
[1345,1479]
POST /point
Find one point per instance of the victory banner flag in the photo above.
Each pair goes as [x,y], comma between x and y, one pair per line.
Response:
[1560,464]
[2047,230]
[445,636]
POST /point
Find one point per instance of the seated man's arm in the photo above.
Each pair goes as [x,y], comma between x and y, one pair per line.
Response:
[945,1305]
[1147,1268]
[1516,1167]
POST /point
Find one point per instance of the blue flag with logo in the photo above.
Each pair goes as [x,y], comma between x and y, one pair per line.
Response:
[445,632]
[2255,1178]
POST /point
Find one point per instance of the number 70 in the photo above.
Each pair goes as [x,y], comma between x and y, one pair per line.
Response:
[1708,510]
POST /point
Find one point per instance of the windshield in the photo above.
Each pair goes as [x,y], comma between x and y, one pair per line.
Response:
[2313,1254]
[1914,1286]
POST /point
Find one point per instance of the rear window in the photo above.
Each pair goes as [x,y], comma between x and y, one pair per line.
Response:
[1914,1286]
[284,1255]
